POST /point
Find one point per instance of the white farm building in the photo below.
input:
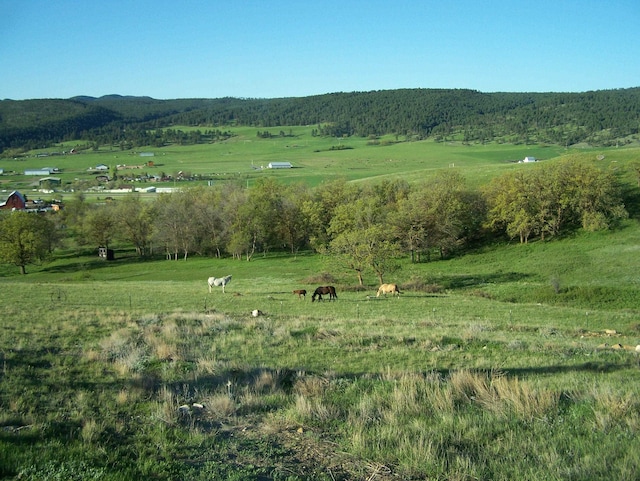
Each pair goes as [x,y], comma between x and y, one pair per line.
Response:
[280,165]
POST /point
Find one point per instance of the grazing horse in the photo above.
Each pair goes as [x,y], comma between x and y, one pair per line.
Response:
[301,293]
[324,290]
[388,289]
[218,281]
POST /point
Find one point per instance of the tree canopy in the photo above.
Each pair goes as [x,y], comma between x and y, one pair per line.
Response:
[365,228]
[25,238]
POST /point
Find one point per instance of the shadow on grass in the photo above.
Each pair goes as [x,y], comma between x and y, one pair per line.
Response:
[86,264]
[286,378]
[466,281]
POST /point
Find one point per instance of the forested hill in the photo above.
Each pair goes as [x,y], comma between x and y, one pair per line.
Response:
[601,117]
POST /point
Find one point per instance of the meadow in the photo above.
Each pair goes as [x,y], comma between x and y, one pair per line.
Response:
[509,362]
[315,159]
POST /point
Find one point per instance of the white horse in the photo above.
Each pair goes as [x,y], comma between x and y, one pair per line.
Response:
[218,281]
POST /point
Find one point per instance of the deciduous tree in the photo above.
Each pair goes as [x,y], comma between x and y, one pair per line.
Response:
[100,225]
[24,238]
[134,221]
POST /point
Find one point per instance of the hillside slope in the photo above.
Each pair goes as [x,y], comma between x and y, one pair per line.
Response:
[606,117]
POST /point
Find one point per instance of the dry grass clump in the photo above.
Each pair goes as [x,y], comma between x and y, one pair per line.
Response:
[165,409]
[312,386]
[122,349]
[502,395]
[473,331]
[117,343]
[91,355]
[160,337]
[125,396]
[266,381]
[612,409]
[432,420]
[208,364]
[315,410]
[162,341]
[165,351]
[220,406]
[198,323]
[311,404]
[91,431]
[131,360]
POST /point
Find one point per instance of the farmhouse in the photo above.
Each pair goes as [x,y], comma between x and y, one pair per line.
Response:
[280,165]
[15,201]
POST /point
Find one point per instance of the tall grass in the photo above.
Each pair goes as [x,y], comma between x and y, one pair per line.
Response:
[483,369]
[164,380]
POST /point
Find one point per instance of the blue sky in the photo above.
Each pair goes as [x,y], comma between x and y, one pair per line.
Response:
[278,48]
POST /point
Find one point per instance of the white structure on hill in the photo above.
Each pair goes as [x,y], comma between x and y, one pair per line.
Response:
[280,165]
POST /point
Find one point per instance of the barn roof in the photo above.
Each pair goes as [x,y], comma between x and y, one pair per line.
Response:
[14,193]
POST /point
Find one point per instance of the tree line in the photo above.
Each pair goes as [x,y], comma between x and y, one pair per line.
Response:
[365,228]
[603,117]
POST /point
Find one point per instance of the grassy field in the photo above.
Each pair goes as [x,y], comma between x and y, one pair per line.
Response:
[315,159]
[510,362]
[516,362]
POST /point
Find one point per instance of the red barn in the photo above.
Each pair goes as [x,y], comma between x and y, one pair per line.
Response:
[15,201]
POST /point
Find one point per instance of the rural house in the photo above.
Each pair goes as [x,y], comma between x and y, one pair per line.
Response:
[15,201]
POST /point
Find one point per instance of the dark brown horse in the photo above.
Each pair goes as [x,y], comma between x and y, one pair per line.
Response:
[324,290]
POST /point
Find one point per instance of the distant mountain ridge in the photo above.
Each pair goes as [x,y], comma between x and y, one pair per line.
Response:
[599,117]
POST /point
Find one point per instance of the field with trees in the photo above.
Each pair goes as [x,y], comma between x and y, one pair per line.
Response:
[511,352]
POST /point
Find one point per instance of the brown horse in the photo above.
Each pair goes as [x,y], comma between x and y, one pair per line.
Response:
[324,290]
[301,293]
[388,289]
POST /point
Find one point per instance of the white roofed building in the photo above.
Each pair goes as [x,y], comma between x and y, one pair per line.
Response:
[280,165]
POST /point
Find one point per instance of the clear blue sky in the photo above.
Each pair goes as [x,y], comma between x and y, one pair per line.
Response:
[278,48]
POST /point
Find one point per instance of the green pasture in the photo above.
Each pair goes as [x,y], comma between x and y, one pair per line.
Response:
[512,361]
[315,159]
[510,349]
